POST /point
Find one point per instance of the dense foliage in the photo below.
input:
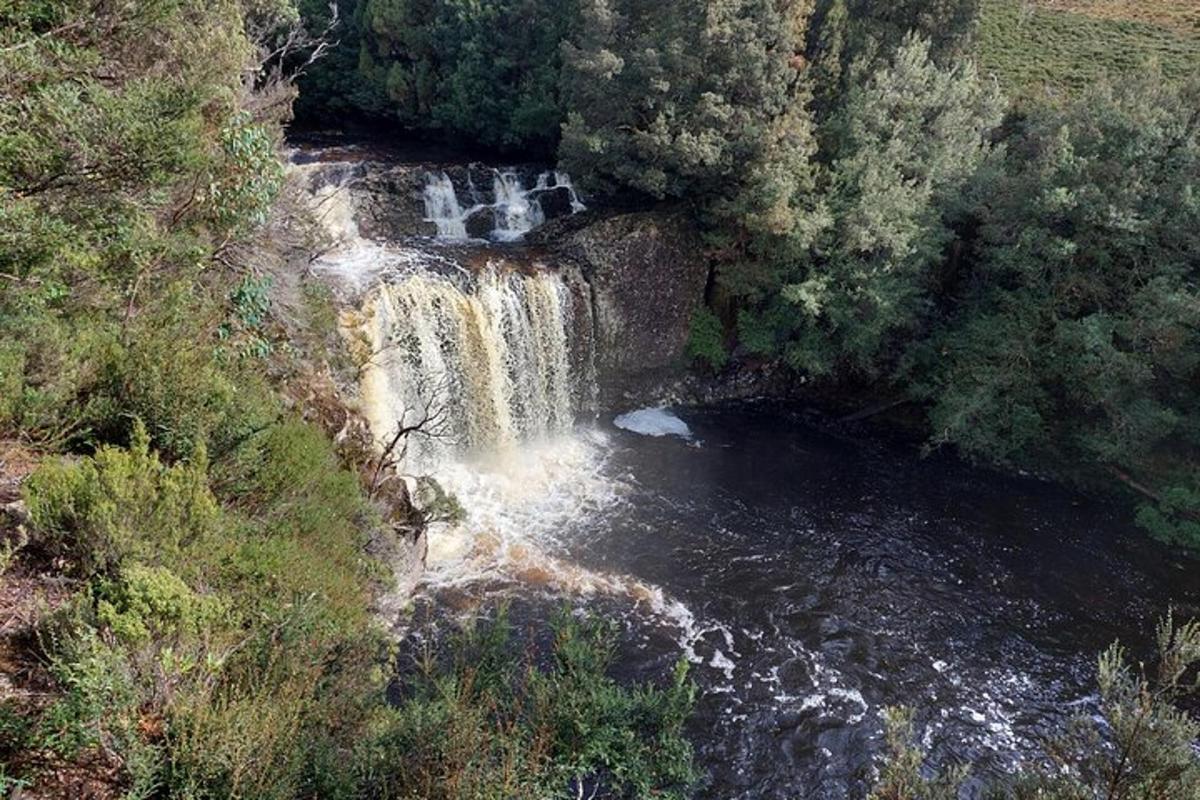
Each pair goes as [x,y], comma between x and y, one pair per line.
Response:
[484,722]
[878,215]
[210,632]
[1074,333]
[484,73]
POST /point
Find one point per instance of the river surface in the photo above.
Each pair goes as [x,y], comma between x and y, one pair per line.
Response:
[813,577]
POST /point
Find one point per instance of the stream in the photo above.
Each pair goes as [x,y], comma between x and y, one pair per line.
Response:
[814,578]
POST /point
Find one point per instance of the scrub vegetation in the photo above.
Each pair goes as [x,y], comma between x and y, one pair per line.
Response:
[185,585]
[985,210]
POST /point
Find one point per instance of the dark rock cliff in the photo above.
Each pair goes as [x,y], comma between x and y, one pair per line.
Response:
[646,272]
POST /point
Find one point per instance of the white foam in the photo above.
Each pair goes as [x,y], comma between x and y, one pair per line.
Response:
[520,501]
[653,422]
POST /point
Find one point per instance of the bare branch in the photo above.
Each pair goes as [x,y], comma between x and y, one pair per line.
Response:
[428,420]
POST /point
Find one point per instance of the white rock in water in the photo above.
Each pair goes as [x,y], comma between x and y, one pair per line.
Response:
[654,422]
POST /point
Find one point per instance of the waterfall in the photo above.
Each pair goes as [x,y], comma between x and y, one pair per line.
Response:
[490,363]
[442,208]
[498,361]
[515,209]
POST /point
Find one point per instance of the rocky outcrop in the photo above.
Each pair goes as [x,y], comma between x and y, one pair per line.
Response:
[647,274]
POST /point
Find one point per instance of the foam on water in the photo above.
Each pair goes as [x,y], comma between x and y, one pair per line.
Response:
[653,422]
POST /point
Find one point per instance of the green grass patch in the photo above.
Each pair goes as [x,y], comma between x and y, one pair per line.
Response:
[1028,47]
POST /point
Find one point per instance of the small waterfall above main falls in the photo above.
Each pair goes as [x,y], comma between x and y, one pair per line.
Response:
[442,208]
[513,210]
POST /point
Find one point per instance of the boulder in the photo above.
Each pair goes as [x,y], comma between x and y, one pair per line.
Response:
[481,223]
[555,202]
[391,202]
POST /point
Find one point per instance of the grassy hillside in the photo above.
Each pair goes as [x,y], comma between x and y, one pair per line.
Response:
[1068,44]
[1182,15]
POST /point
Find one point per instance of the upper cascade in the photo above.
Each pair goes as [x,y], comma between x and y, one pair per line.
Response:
[503,212]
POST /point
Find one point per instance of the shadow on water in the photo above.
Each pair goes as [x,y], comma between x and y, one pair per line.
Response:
[814,579]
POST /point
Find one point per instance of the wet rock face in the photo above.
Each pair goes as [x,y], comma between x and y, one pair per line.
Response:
[647,273]
[391,203]
[556,202]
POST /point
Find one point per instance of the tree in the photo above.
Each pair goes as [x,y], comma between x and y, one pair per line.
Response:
[675,103]
[481,72]
[863,278]
[1076,337]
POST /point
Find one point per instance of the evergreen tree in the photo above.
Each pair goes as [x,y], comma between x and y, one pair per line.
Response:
[676,103]
[909,141]
[482,72]
[1077,335]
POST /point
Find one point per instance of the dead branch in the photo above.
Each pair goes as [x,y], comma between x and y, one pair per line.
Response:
[429,420]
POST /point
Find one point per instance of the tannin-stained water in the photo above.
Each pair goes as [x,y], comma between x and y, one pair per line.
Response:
[812,579]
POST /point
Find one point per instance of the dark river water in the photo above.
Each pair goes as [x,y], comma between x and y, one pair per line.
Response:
[815,577]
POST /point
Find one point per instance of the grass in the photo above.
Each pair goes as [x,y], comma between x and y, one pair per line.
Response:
[1068,45]
[1181,15]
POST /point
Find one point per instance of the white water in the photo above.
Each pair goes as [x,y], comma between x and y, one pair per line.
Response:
[515,210]
[442,208]
[489,363]
[653,422]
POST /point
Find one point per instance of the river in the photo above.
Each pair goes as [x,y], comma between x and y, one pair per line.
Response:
[813,577]
[813,574]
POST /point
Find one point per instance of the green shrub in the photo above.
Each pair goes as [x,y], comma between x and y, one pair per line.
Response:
[121,504]
[1140,747]
[1176,517]
[146,601]
[489,724]
[50,369]
[100,699]
[706,339]
[902,775]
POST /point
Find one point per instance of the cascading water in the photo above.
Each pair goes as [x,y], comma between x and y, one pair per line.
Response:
[497,364]
[490,364]
[514,211]
[442,208]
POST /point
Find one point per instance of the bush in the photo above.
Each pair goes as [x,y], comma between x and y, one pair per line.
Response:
[490,724]
[153,601]
[121,504]
[706,339]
